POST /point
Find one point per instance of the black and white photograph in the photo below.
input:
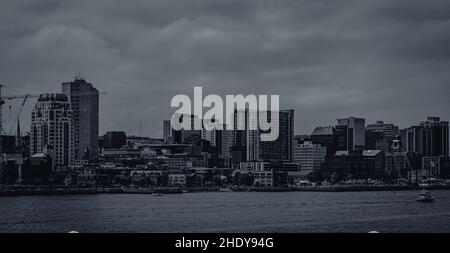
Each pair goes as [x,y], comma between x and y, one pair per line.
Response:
[241,119]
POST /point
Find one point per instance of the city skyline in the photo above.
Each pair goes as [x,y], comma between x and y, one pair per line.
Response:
[320,59]
[11,124]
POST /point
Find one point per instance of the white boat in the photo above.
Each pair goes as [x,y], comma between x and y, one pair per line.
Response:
[425,197]
[157,194]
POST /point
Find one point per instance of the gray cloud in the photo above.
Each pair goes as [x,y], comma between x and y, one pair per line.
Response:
[326,59]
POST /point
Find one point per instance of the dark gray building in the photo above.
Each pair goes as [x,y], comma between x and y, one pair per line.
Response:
[280,149]
[429,138]
[114,139]
[84,101]
[350,133]
[325,137]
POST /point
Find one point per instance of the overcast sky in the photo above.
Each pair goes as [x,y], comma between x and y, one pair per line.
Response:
[382,59]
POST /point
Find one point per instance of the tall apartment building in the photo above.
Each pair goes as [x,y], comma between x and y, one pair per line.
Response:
[52,128]
[84,101]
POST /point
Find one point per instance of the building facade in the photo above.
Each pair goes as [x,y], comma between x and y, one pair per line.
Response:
[114,139]
[52,128]
[84,101]
[310,157]
[429,138]
[280,149]
[351,133]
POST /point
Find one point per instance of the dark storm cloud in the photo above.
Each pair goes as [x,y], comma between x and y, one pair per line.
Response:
[326,59]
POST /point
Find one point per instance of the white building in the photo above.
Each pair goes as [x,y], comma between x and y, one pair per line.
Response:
[310,157]
[52,129]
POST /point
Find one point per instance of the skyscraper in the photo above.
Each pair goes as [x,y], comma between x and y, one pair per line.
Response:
[167,132]
[350,133]
[429,138]
[280,149]
[84,101]
[52,128]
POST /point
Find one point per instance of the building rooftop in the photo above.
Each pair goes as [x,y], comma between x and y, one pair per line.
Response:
[328,130]
[371,152]
[53,97]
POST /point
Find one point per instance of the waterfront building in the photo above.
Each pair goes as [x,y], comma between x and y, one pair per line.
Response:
[355,164]
[177,180]
[52,128]
[84,100]
[309,156]
[429,138]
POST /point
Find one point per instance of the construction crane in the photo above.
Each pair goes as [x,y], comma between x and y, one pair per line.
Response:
[25,98]
[2,102]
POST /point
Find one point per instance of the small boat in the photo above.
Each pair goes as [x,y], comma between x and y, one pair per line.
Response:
[425,197]
[157,194]
[225,189]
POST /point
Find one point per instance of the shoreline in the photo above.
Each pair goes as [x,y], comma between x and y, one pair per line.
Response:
[162,191]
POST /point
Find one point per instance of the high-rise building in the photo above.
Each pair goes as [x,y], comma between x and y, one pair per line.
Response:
[281,149]
[310,157]
[84,101]
[253,137]
[167,132]
[52,128]
[350,133]
[114,139]
[429,138]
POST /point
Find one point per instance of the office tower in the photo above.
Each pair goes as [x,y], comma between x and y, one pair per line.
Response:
[310,157]
[227,142]
[350,133]
[114,139]
[167,132]
[429,138]
[84,99]
[280,150]
[52,128]
[326,138]
[380,136]
[253,137]
[388,131]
